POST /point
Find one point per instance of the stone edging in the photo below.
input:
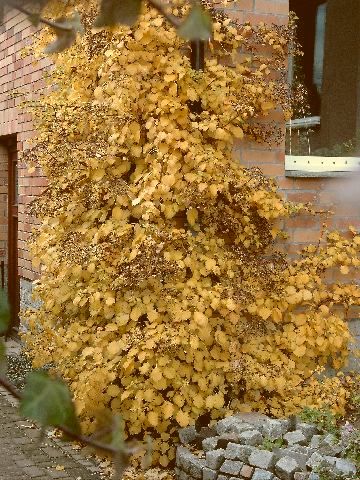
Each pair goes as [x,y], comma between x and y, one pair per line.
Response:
[231,450]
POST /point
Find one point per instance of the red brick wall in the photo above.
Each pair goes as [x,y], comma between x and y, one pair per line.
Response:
[21,74]
[324,193]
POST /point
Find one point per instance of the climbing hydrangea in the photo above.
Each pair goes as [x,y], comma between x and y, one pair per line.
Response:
[162,296]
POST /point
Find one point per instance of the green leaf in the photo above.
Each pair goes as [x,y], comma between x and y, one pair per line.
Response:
[4,312]
[114,12]
[47,400]
[117,433]
[3,359]
[66,30]
[122,457]
[34,19]
[197,25]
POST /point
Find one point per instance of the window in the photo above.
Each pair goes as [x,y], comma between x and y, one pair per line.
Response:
[324,132]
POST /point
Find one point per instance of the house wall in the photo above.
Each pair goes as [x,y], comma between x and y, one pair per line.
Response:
[3,205]
[17,72]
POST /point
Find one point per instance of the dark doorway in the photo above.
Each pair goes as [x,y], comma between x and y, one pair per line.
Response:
[12,280]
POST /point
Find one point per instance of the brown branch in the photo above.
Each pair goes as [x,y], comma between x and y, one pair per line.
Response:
[10,388]
[69,433]
[45,21]
[175,22]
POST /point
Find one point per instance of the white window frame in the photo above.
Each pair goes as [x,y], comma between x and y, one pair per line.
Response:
[314,165]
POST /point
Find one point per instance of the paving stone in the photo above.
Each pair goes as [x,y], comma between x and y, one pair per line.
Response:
[52,452]
[209,443]
[307,429]
[344,467]
[251,437]
[253,418]
[303,449]
[295,437]
[260,474]
[274,429]
[231,425]
[329,461]
[196,467]
[291,452]
[314,476]
[183,458]
[301,476]
[286,467]
[187,435]
[238,452]
[226,438]
[33,471]
[215,458]
[262,459]
[181,475]
[209,474]
[315,441]
[330,445]
[222,477]
[246,471]
[21,458]
[315,461]
[58,474]
[231,467]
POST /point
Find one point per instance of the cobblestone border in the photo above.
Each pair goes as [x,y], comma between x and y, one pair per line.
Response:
[234,449]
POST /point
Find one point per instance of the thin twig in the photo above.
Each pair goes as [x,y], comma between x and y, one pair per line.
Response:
[45,21]
[161,9]
[10,388]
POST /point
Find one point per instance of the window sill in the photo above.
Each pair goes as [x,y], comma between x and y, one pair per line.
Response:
[313,166]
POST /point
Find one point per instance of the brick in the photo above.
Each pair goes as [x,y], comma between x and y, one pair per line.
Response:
[231,467]
[215,458]
[285,468]
[272,170]
[302,235]
[209,474]
[262,459]
[246,471]
[261,474]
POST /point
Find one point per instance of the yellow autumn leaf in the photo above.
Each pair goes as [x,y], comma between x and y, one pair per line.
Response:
[182,418]
[192,216]
[200,319]
[300,351]
[264,312]
[156,374]
[167,410]
[267,106]
[307,295]
[153,418]
[168,180]
[114,348]
[98,174]
[113,390]
[117,213]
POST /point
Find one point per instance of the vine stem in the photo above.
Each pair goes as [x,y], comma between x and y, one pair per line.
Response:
[45,21]
[154,3]
[161,9]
